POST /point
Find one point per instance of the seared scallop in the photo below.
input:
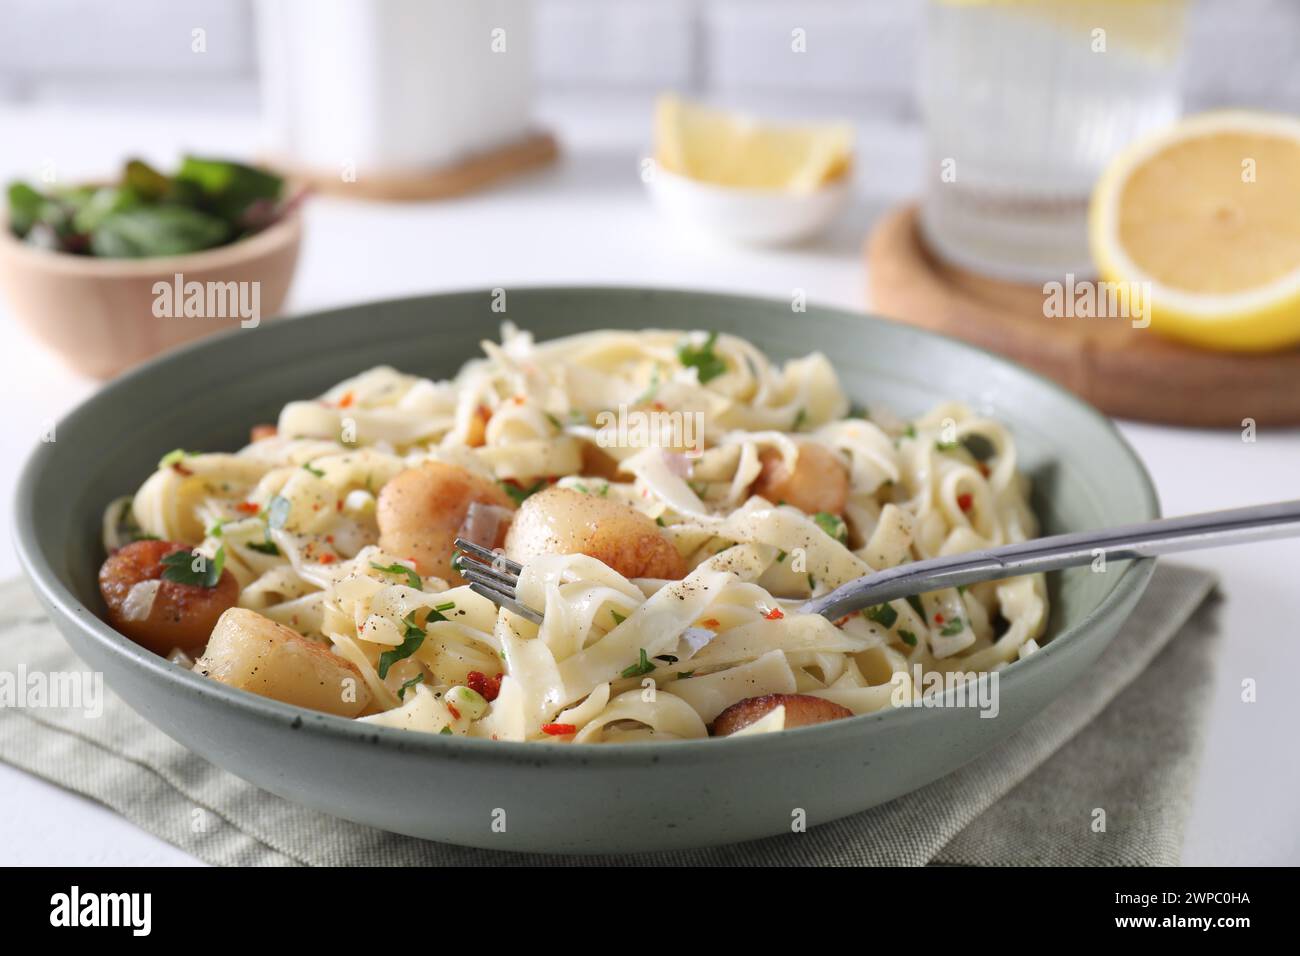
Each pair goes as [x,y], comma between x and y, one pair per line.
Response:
[564,521]
[159,614]
[819,480]
[421,510]
[800,711]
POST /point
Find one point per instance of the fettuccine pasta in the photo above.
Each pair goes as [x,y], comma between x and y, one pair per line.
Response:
[673,499]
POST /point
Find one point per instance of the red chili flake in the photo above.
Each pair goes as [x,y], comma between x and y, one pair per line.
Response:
[774,615]
[710,622]
[454,712]
[248,508]
[844,620]
[328,558]
[938,619]
[984,469]
[339,504]
[181,469]
[658,406]
[329,538]
[519,399]
[347,399]
[480,683]
[316,506]
[965,501]
[559,730]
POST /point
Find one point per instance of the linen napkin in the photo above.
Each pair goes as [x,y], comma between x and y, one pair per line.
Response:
[1102,776]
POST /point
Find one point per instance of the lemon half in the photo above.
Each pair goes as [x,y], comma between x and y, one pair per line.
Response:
[1208,214]
[730,149]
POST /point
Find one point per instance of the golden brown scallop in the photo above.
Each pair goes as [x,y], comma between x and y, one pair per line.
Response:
[256,654]
[800,711]
[165,615]
[422,508]
[565,521]
[819,480]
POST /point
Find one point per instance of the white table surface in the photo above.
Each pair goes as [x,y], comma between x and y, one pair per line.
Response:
[587,221]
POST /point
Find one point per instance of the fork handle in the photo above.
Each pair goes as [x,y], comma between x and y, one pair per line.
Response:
[1147,539]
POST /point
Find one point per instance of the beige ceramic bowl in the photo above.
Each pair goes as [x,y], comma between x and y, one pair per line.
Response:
[101,315]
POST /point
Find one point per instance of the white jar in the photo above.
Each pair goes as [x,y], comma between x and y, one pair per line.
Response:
[401,86]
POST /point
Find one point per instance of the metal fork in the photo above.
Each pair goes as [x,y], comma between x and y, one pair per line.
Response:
[495,576]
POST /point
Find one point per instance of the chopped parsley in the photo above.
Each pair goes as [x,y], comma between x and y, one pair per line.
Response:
[781,557]
[915,601]
[518,493]
[412,578]
[315,471]
[660,522]
[407,685]
[833,525]
[706,362]
[909,431]
[799,419]
[264,547]
[179,568]
[411,641]
[642,666]
[908,637]
[954,626]
[618,618]
[447,731]
[215,530]
[947,445]
[554,421]
[882,614]
[684,674]
[666,658]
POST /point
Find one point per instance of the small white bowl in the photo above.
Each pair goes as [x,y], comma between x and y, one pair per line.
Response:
[749,216]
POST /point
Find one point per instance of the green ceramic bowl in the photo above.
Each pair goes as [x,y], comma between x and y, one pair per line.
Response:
[556,797]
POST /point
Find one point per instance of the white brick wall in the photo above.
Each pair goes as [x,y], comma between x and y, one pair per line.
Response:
[1241,52]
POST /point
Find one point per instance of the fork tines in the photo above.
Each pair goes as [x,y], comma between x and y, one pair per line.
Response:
[494,576]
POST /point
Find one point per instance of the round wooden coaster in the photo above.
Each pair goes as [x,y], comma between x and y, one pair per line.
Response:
[1125,371]
[473,172]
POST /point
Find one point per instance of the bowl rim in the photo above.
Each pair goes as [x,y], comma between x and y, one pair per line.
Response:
[284,231]
[468,750]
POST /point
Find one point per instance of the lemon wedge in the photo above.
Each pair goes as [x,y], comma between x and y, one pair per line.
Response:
[729,149]
[1206,214]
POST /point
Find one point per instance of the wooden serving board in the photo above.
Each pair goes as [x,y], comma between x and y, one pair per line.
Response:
[1126,372]
[472,173]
